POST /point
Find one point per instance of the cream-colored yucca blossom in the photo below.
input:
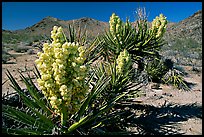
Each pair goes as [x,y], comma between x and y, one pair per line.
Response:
[159,25]
[115,23]
[123,62]
[63,72]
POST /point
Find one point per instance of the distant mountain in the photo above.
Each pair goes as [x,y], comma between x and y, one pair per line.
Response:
[92,26]
[184,41]
[190,27]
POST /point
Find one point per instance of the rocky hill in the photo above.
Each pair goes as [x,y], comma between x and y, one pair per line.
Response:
[42,28]
[190,27]
[184,39]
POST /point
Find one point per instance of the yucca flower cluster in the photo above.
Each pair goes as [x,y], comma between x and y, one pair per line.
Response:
[62,72]
[115,24]
[159,25]
[123,62]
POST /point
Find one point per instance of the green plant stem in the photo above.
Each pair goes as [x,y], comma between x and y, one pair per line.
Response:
[64,116]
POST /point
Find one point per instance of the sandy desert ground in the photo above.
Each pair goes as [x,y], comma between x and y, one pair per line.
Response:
[180,111]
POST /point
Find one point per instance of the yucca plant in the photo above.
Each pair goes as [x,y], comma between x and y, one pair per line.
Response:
[38,116]
[140,41]
[66,102]
[121,73]
[79,35]
[164,71]
[175,77]
[156,69]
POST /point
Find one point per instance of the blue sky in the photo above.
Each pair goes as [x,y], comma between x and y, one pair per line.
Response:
[19,15]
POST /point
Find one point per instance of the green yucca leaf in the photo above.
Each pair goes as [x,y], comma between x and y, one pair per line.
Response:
[147,41]
[38,75]
[110,42]
[106,107]
[20,131]
[46,121]
[18,115]
[149,52]
[113,71]
[15,84]
[97,89]
[28,102]
[33,105]
[128,41]
[23,117]
[94,51]
[15,116]
[77,124]
[71,34]
[100,86]
[34,93]
[97,125]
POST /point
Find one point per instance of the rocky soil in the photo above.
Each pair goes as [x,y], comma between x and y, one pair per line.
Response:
[173,111]
[159,111]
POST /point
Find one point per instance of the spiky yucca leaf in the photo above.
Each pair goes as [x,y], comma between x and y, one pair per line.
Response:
[39,110]
[156,69]
[174,77]
[140,41]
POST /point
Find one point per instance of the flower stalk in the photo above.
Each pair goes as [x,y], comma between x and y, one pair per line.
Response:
[159,25]
[63,74]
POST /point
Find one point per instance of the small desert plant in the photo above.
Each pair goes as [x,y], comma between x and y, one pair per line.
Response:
[20,48]
[156,69]
[164,71]
[175,77]
[30,51]
[6,56]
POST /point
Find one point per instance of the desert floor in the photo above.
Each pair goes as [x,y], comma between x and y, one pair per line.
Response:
[170,111]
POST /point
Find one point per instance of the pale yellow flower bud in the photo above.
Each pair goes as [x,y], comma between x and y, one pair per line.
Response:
[46,77]
[63,88]
[40,82]
[55,28]
[81,49]
[53,98]
[83,68]
[57,83]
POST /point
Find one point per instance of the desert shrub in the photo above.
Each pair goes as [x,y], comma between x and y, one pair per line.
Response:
[20,48]
[30,51]
[156,69]
[185,48]
[14,38]
[6,56]
[165,71]
[37,38]
[196,69]
[174,77]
